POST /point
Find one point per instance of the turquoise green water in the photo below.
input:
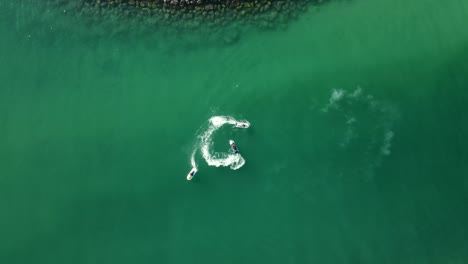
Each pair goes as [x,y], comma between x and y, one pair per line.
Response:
[96,132]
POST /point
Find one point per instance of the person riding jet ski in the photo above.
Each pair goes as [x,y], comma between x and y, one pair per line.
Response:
[233,146]
[191,174]
[242,124]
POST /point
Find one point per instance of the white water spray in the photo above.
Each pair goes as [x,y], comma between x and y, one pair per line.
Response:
[216,159]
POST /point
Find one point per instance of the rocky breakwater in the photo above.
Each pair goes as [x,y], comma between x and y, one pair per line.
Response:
[201,15]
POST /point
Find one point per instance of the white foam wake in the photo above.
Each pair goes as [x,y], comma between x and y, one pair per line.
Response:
[216,159]
[192,159]
[234,161]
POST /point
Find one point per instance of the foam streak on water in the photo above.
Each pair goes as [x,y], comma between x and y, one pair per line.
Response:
[192,158]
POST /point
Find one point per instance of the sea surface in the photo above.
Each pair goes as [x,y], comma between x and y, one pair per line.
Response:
[356,153]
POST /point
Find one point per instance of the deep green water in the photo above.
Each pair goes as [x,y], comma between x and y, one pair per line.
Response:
[96,132]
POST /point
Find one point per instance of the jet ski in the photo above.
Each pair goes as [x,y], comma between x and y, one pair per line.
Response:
[242,124]
[191,174]
[233,146]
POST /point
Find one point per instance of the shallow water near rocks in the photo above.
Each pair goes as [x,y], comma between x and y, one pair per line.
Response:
[356,151]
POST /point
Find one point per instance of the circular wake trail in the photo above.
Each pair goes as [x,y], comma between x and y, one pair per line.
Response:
[232,160]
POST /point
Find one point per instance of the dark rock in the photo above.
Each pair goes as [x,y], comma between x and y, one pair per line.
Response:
[203,16]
